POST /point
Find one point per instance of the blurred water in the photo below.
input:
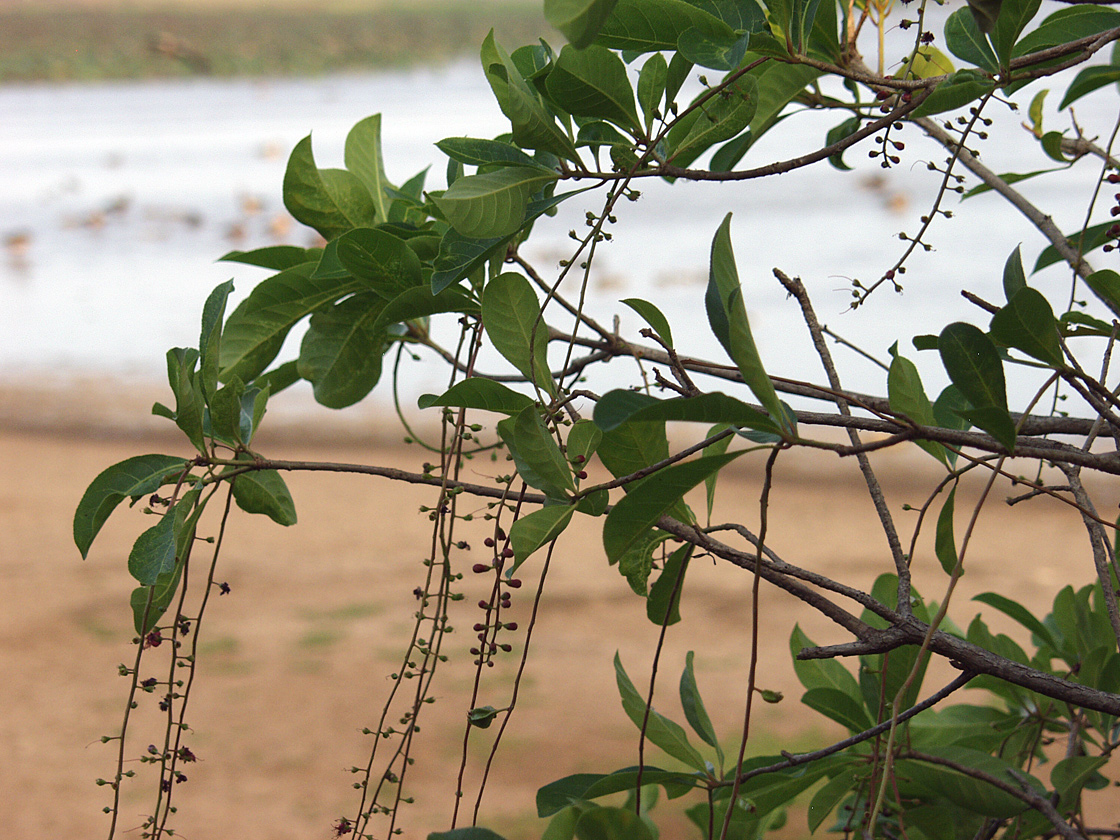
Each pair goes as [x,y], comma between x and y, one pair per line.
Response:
[116,199]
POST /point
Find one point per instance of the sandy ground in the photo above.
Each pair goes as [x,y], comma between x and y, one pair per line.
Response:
[294,662]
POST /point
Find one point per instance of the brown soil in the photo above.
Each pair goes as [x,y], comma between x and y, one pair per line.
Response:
[295,661]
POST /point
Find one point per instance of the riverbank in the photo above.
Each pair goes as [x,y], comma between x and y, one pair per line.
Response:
[97,40]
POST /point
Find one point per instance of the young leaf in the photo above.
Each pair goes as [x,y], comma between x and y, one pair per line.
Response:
[579,20]
[661,731]
[512,318]
[592,82]
[651,87]
[664,601]
[342,349]
[132,478]
[492,204]
[362,156]
[264,491]
[1027,323]
[583,439]
[533,530]
[384,263]
[476,392]
[538,458]
[945,541]
[190,403]
[652,497]
[332,201]
[149,603]
[727,315]
[652,316]
[225,412]
[1012,17]
[955,92]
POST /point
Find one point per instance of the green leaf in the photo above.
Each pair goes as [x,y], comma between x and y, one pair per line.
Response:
[846,129]
[693,705]
[419,302]
[717,448]
[209,342]
[1027,323]
[1014,278]
[592,82]
[1013,17]
[718,52]
[1106,286]
[649,25]
[264,491]
[384,263]
[955,92]
[964,791]
[580,787]
[225,412]
[973,364]
[579,20]
[1070,775]
[256,329]
[482,716]
[132,478]
[583,439]
[652,316]
[276,257]
[332,201]
[1089,80]
[838,706]
[1020,613]
[276,380]
[664,600]
[149,603]
[1067,25]
[1093,237]
[562,826]
[720,118]
[476,392]
[154,551]
[538,458]
[727,315]
[652,497]
[533,530]
[618,407]
[1010,178]
[533,126]
[908,397]
[831,794]
[662,732]
[362,155]
[995,421]
[472,833]
[610,823]
[820,673]
[651,87]
[474,152]
[492,204]
[190,403]
[636,563]
[512,318]
[945,541]
[341,352]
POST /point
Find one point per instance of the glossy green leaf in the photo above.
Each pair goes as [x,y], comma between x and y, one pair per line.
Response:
[693,705]
[342,350]
[648,25]
[838,706]
[717,448]
[512,318]
[276,380]
[1089,80]
[652,497]
[1019,613]
[533,126]
[419,302]
[717,52]
[664,600]
[995,421]
[537,456]
[973,364]
[533,530]
[225,412]
[476,392]
[651,87]
[492,204]
[1012,17]
[275,257]
[190,403]
[662,732]
[154,551]
[846,129]
[475,152]
[964,39]
[132,478]
[908,397]
[965,791]
[264,491]
[209,342]
[820,673]
[617,407]
[362,155]
[958,90]
[1094,236]
[256,329]
[1027,323]
[580,787]
[583,439]
[1014,278]
[1065,25]
[1106,286]
[384,263]
[612,823]
[332,201]
[579,20]
[727,315]
[719,118]
[945,541]
[592,82]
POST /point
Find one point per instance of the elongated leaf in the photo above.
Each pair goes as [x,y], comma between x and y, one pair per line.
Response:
[537,456]
[1071,775]
[945,541]
[1106,286]
[973,364]
[636,563]
[592,82]
[384,263]
[612,823]
[362,155]
[257,328]
[1013,17]
[419,302]
[1014,278]
[618,407]
[1027,323]
[662,732]
[719,118]
[838,706]
[154,551]
[1094,236]
[132,478]
[1020,614]
[652,497]
[1089,80]
[965,40]
[558,795]
[717,52]
[190,403]
[908,397]
[474,152]
[995,421]
[958,90]
[693,706]
[471,833]
[648,25]
[579,20]
[512,318]
[1065,25]
[225,412]
[531,531]
[664,601]
[651,87]
[727,315]
[341,352]
[149,603]
[820,673]
[209,342]
[492,204]
[276,257]
[264,491]
[965,791]
[583,439]
[332,201]
[485,394]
